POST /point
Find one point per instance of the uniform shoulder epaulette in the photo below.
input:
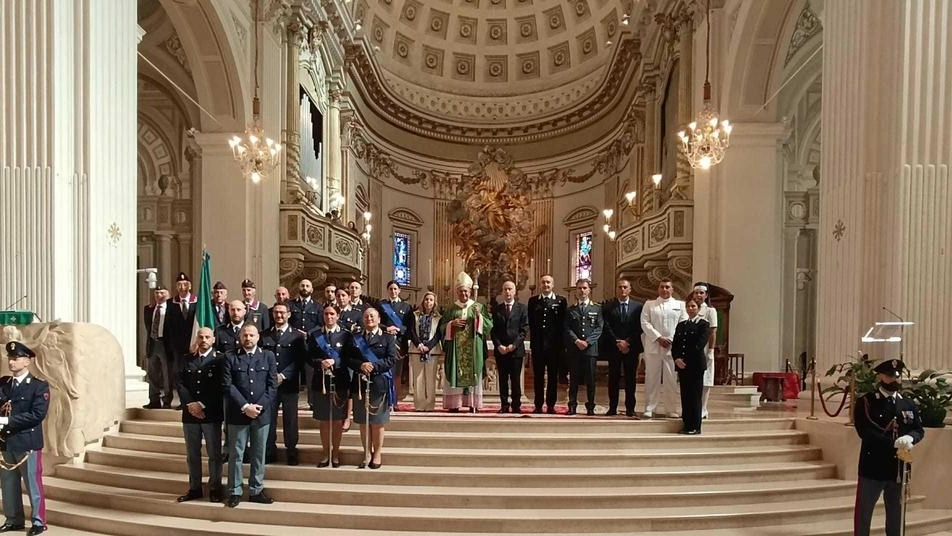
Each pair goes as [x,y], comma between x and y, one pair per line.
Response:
[6,379]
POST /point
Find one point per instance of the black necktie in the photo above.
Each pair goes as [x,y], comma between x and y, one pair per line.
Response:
[624,309]
[508,310]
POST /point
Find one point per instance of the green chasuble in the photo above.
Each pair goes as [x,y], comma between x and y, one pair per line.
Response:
[464,349]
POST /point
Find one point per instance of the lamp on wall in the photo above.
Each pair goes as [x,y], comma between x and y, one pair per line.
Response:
[367,226]
[707,138]
[656,180]
[255,153]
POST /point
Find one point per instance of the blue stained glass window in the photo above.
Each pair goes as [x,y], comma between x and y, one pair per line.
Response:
[583,256]
[401,258]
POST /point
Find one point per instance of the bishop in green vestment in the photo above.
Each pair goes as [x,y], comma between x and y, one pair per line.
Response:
[465,325]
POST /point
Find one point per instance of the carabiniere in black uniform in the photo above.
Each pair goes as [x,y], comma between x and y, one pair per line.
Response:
[201,381]
[883,419]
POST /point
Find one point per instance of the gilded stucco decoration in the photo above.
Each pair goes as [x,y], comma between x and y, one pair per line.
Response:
[490,217]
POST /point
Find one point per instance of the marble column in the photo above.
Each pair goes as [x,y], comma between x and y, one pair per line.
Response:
[334,167]
[68,162]
[885,195]
[652,136]
[748,257]
[291,191]
[682,187]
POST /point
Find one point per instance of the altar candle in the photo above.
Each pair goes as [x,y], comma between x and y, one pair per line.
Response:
[429,271]
[548,266]
[532,270]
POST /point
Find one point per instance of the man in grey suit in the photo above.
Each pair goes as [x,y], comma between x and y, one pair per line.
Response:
[583,327]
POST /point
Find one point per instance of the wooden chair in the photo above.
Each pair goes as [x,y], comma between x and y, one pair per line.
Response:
[735,369]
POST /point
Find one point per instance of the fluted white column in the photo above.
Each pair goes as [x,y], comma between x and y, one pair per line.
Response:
[885,196]
[68,161]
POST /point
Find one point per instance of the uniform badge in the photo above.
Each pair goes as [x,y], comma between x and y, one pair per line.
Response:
[46,395]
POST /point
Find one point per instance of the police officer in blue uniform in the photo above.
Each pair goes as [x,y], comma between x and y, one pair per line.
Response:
[396,316]
[249,382]
[886,422]
[200,390]
[24,400]
[290,350]
[583,328]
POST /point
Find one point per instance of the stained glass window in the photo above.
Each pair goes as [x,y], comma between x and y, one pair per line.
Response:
[583,256]
[401,258]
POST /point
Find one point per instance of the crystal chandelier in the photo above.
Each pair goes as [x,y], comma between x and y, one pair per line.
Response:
[707,138]
[256,154]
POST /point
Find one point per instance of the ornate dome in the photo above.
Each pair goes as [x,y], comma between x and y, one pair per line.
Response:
[482,62]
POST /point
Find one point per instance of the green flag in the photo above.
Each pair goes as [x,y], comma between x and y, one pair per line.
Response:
[204,313]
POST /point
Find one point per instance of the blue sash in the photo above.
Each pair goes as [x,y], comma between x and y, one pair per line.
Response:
[321,341]
[368,354]
[392,315]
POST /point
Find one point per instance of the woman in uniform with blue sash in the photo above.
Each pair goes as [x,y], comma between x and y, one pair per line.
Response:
[331,383]
[372,355]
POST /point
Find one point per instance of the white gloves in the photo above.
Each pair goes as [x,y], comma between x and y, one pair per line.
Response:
[903,442]
[4,421]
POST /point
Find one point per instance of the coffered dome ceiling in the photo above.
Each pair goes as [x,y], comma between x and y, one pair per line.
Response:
[481,66]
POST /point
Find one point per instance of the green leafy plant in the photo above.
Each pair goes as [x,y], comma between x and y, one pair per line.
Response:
[860,369]
[931,390]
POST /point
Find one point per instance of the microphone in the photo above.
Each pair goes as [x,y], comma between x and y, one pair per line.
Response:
[16,302]
[890,311]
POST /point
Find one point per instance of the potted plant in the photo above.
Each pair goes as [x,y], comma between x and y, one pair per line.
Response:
[931,390]
[856,373]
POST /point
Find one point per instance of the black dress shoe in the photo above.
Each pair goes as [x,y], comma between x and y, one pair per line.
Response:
[167,406]
[232,501]
[335,464]
[373,465]
[177,408]
[152,405]
[292,457]
[472,410]
[611,413]
[7,527]
[630,413]
[551,410]
[324,463]
[694,432]
[191,495]
[363,465]
[214,496]
[590,412]
[454,410]
[516,409]
[36,529]
[260,498]
[503,409]
[571,411]
[537,411]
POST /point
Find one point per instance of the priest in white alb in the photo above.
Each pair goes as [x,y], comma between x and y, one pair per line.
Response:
[465,325]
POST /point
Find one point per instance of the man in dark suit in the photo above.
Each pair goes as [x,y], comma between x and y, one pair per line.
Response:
[158,350]
[889,426]
[621,344]
[396,316]
[200,390]
[220,303]
[583,328]
[25,399]
[546,325]
[256,312]
[226,335]
[181,319]
[290,350]
[249,384]
[510,323]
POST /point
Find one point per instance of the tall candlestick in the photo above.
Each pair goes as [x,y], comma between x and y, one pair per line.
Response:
[429,271]
[532,274]
[548,266]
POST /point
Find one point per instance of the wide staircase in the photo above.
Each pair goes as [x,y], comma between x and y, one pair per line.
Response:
[751,472]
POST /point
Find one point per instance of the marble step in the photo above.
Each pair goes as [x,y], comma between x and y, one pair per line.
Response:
[482,457]
[527,439]
[84,519]
[552,520]
[488,476]
[461,496]
[491,422]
